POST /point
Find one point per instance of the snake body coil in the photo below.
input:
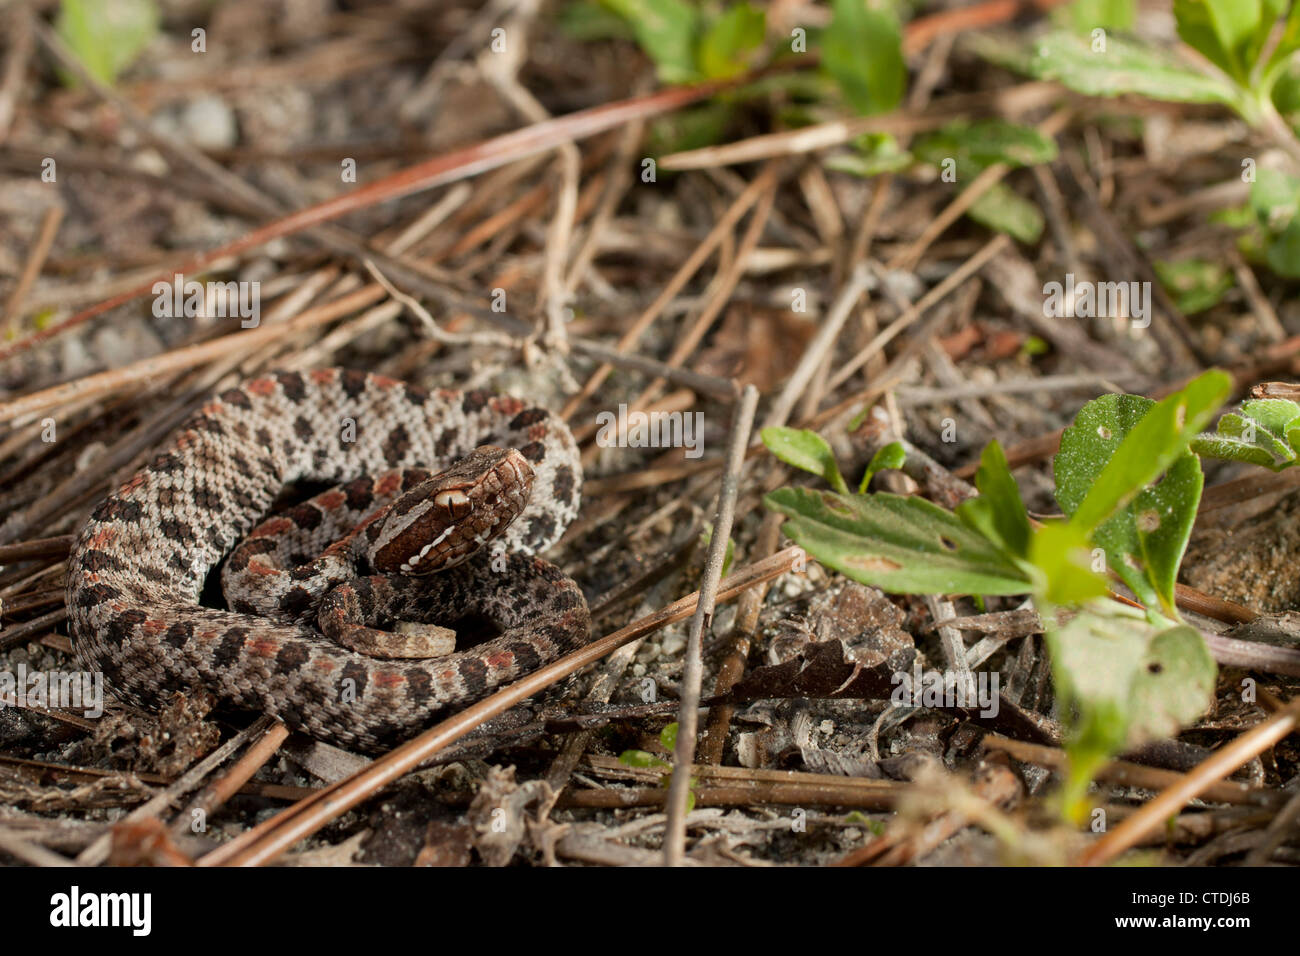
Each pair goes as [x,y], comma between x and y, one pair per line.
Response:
[139,566]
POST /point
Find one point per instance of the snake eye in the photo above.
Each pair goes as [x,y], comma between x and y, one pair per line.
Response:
[455,501]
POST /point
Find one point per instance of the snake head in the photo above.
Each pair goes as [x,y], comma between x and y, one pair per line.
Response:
[441,522]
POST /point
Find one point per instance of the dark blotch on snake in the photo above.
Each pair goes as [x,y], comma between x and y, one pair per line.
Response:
[419,685]
[292,384]
[528,418]
[120,628]
[292,656]
[444,444]
[179,634]
[540,527]
[98,561]
[237,398]
[360,493]
[474,673]
[475,401]
[166,464]
[304,516]
[563,486]
[526,658]
[357,672]
[203,423]
[125,510]
[397,445]
[175,530]
[231,646]
[353,383]
[534,451]
[296,601]
[413,476]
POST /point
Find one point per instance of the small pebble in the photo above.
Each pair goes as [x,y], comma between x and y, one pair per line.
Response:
[209,123]
[672,645]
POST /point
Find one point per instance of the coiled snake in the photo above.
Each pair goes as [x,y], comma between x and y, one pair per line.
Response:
[341,568]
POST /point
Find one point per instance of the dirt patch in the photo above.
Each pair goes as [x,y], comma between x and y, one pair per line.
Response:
[1255,562]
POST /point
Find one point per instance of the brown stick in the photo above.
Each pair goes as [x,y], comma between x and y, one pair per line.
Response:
[440,170]
[1225,760]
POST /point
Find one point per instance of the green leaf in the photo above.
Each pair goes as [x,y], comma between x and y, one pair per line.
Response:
[1109,458]
[668,737]
[586,20]
[1243,428]
[706,536]
[1002,209]
[985,142]
[1228,33]
[692,128]
[1264,433]
[899,544]
[641,758]
[1196,284]
[1287,44]
[1215,32]
[1275,414]
[1283,252]
[1151,681]
[1122,682]
[729,43]
[863,51]
[1153,438]
[1229,449]
[874,153]
[1275,200]
[998,513]
[1034,346]
[806,450]
[973,147]
[106,37]
[1084,16]
[1174,685]
[666,30]
[891,457]
[1284,83]
[1274,197]
[1126,66]
[1061,555]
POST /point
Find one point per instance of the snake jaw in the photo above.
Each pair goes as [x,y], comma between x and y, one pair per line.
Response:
[444,520]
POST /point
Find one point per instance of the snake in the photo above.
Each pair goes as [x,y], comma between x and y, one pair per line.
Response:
[437,505]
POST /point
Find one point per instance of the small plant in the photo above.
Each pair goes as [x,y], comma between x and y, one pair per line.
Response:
[1250,48]
[106,37]
[1252,76]
[645,759]
[1128,486]
[1266,432]
[860,64]
[687,44]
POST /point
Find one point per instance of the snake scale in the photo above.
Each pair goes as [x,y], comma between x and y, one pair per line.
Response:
[138,570]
